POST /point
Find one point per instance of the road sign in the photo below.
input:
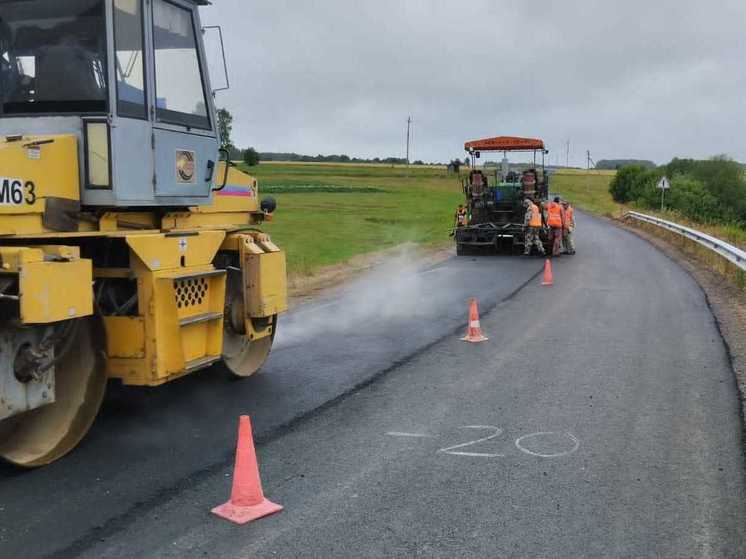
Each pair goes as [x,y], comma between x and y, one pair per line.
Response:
[664,184]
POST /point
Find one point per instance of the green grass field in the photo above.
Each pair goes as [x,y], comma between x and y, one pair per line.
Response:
[329,213]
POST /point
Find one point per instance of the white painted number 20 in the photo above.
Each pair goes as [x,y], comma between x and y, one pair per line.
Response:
[541,440]
[544,444]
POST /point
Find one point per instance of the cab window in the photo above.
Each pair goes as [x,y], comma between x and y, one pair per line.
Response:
[52,57]
[130,69]
[180,94]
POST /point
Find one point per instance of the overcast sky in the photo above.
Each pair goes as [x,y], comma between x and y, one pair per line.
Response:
[646,79]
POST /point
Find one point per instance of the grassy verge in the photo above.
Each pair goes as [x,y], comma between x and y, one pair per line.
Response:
[329,213]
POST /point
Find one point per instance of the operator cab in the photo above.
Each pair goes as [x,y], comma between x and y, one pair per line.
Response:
[128,78]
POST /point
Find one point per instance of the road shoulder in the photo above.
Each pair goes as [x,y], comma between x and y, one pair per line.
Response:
[727,302]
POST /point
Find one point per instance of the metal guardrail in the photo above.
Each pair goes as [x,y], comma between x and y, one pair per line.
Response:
[731,253]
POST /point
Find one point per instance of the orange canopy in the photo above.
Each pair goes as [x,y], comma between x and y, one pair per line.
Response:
[504,143]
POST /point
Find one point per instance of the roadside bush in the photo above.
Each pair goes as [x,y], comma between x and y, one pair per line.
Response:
[723,178]
[692,199]
[634,183]
[711,190]
[621,185]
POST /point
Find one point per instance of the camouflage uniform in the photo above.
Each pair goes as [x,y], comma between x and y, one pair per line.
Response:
[532,237]
[568,230]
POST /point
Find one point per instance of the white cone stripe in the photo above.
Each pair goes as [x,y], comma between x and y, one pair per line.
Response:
[474,324]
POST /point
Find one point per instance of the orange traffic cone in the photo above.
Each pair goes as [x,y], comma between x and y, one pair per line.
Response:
[247,500]
[474,331]
[548,277]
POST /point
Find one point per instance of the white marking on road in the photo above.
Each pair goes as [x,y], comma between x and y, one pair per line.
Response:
[497,433]
[575,446]
[431,271]
[413,435]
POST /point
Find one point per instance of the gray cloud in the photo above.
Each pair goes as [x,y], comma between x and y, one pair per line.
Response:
[652,79]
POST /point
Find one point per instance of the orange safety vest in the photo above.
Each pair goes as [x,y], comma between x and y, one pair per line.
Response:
[569,217]
[535,219]
[554,217]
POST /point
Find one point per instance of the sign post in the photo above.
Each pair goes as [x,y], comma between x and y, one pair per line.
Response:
[664,185]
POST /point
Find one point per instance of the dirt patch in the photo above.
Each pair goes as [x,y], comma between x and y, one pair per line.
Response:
[302,288]
[726,299]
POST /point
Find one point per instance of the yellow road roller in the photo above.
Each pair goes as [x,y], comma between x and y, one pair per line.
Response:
[129,246]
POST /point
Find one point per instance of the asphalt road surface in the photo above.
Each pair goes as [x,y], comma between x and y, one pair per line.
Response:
[601,419]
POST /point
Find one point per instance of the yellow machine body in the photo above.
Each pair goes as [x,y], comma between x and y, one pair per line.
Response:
[178,323]
[34,182]
[52,282]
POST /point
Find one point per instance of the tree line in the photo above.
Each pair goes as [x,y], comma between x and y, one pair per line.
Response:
[615,164]
[251,156]
[712,190]
[342,158]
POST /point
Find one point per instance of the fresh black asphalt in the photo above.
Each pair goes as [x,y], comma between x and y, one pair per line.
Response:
[608,402]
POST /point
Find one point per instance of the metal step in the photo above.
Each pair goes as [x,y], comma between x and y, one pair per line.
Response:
[200,318]
[201,363]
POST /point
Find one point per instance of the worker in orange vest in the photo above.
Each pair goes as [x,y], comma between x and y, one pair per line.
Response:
[555,222]
[568,227]
[532,228]
[461,216]
[460,219]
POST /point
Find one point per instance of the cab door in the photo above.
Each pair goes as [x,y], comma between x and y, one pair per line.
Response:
[132,129]
[184,140]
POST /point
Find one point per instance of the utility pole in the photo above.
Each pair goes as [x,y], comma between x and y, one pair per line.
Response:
[590,160]
[567,158]
[409,126]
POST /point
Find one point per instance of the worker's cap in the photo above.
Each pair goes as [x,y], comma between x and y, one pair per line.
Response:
[565,203]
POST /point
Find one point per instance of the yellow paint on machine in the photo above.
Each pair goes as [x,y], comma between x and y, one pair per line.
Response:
[56,291]
[32,170]
[265,277]
[181,298]
[173,251]
[126,337]
[49,162]
[54,283]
